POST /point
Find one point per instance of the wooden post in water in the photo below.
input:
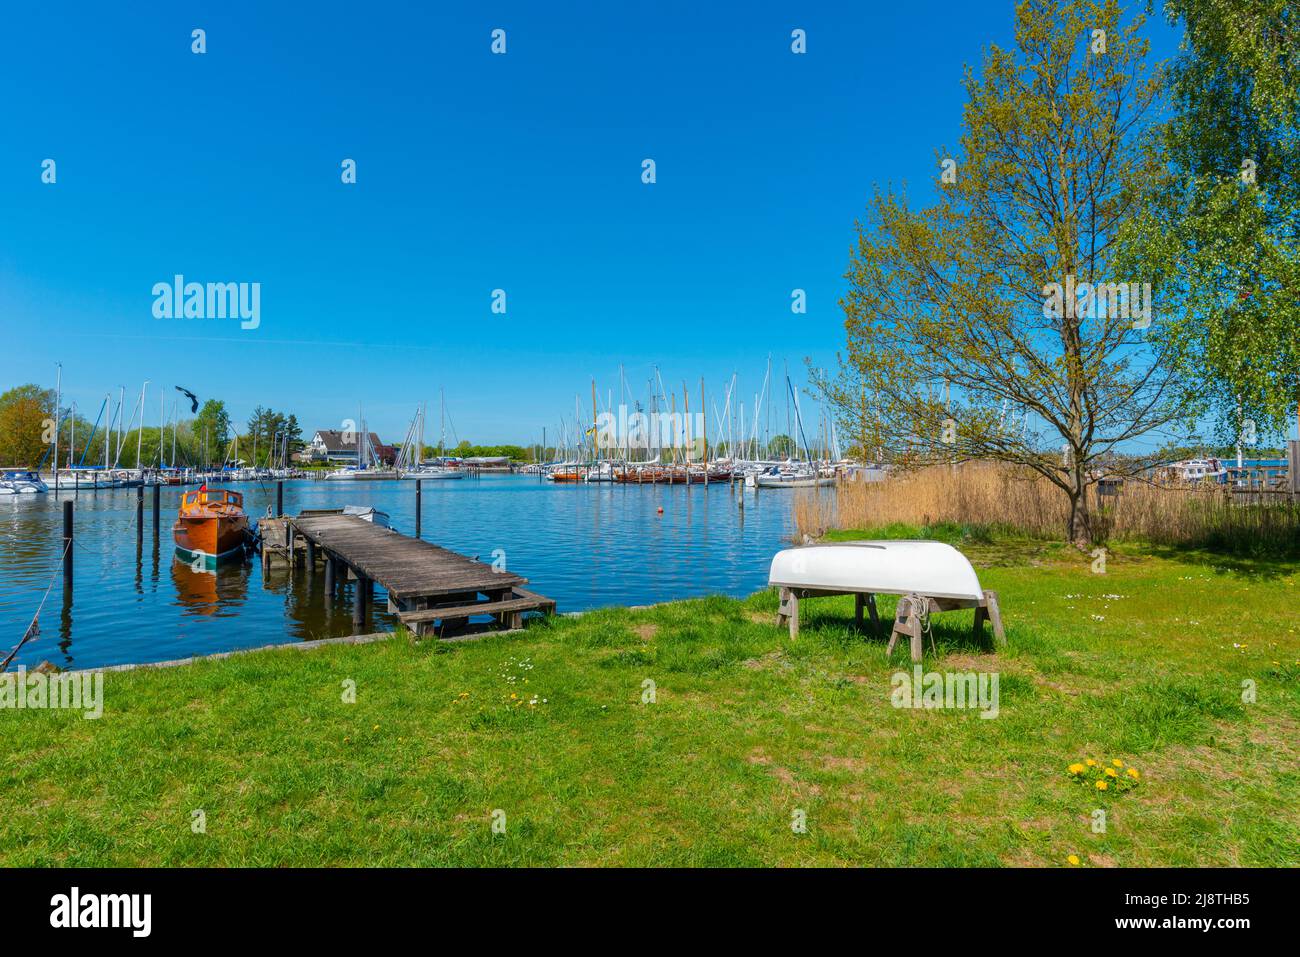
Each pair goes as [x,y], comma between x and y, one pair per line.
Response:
[288,545]
[139,515]
[329,579]
[279,498]
[417,508]
[359,605]
[156,530]
[311,557]
[67,543]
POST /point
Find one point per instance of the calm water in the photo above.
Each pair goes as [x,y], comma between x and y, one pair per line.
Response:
[585,546]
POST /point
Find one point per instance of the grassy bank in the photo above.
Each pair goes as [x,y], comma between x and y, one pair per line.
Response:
[1143,664]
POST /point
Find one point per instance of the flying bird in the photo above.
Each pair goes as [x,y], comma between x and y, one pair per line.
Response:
[194,399]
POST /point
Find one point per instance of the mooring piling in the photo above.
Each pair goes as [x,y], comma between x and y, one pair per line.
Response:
[279,498]
[139,517]
[359,604]
[417,507]
[67,543]
[157,531]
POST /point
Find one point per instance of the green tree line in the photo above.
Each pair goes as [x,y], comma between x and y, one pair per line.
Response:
[27,434]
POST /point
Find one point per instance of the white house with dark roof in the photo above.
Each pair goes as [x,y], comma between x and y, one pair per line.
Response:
[327,445]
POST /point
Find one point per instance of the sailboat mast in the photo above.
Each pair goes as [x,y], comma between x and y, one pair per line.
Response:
[58,400]
[139,436]
[704,427]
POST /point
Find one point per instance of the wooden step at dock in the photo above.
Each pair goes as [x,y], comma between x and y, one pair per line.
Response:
[509,612]
[544,604]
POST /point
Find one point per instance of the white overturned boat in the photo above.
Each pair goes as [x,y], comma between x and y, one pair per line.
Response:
[931,576]
[879,568]
[21,482]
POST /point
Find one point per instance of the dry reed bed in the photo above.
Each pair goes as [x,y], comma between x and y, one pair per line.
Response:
[1017,500]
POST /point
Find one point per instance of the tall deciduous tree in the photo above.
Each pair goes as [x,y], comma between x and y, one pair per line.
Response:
[212,425]
[26,424]
[1225,229]
[1001,323]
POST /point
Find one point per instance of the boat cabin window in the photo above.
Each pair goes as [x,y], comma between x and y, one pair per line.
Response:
[214,497]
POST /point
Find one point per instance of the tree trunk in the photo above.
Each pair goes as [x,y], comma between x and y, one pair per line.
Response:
[1080,527]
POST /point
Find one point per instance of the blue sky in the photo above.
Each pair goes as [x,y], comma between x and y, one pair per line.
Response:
[474,172]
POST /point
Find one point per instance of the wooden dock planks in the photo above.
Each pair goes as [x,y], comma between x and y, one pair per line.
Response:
[421,578]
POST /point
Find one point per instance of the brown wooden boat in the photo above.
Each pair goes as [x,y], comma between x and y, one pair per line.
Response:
[210,526]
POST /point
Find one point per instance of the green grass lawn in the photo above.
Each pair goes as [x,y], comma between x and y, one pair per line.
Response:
[1144,664]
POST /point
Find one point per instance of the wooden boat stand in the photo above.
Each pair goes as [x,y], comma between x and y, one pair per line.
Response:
[909,620]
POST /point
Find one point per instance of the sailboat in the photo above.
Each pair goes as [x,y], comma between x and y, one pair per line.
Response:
[791,474]
[776,477]
[362,471]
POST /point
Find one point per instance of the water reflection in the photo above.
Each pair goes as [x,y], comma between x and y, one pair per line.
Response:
[217,592]
[65,625]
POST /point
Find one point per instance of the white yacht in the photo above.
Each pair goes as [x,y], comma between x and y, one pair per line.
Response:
[21,482]
[86,477]
[1197,470]
[434,473]
[791,475]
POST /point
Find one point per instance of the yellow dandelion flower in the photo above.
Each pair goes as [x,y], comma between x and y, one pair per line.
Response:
[1133,773]
[1112,773]
[513,695]
[1073,859]
[1076,768]
[1091,763]
[1118,763]
[1102,785]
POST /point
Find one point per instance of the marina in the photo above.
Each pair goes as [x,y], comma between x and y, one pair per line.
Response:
[136,600]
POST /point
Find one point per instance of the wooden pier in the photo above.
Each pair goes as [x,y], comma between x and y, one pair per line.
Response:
[430,589]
